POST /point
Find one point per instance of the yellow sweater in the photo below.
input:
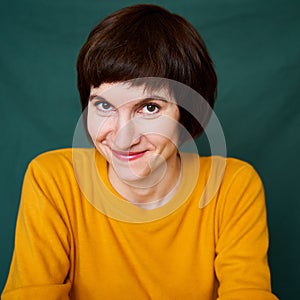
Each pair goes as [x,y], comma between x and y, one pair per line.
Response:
[68,247]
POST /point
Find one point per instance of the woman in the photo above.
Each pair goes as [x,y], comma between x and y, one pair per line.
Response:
[135,217]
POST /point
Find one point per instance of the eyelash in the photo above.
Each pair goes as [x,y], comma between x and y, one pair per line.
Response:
[98,103]
[156,106]
[99,106]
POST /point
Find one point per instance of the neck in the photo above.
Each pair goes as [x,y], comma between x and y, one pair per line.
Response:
[153,187]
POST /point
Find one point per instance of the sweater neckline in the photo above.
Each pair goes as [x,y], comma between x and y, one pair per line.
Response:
[116,207]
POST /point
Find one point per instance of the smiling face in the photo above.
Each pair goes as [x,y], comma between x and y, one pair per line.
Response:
[136,131]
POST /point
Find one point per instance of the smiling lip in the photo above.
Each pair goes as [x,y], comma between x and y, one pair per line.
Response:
[127,156]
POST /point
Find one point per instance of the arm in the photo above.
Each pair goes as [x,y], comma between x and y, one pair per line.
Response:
[40,263]
[241,262]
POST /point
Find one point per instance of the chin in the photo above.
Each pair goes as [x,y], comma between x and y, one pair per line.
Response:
[132,174]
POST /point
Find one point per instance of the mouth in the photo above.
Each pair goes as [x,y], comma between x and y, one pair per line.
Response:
[127,155]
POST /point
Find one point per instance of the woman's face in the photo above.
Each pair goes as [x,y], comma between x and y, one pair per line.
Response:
[134,129]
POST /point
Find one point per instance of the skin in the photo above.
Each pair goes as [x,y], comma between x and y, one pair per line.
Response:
[137,132]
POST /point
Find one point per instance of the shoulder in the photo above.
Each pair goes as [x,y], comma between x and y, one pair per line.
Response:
[62,155]
[231,167]
[55,172]
[60,160]
[218,168]
[241,173]
[239,186]
[53,156]
[222,177]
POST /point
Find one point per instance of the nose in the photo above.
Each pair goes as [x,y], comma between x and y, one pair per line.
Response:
[126,134]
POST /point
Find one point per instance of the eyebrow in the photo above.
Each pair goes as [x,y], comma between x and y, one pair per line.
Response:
[92,97]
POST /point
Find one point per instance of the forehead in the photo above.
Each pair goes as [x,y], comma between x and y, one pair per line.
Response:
[120,93]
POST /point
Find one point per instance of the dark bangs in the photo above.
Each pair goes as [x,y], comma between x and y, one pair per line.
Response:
[137,42]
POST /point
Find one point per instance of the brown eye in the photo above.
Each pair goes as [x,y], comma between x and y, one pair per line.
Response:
[150,108]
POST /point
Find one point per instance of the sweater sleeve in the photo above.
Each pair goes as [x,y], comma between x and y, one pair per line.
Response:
[40,263]
[241,262]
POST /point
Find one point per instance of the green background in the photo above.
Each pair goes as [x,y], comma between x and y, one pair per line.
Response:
[255,46]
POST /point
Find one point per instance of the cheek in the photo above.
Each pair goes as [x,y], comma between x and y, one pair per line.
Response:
[166,131]
[163,144]
[95,125]
[92,125]
[164,134]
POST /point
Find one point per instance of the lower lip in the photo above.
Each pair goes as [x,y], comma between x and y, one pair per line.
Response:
[128,157]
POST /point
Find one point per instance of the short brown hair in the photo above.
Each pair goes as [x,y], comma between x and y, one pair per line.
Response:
[147,41]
